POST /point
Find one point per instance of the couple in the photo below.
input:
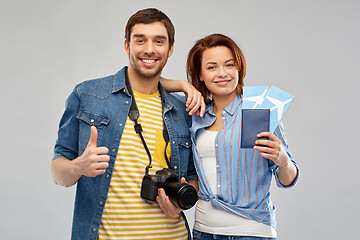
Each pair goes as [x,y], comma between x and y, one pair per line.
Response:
[98,148]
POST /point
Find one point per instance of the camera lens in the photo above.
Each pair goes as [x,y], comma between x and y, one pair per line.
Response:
[187,197]
[181,194]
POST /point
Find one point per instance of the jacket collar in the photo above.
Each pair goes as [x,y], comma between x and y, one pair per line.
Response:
[230,108]
[119,80]
[166,99]
[119,84]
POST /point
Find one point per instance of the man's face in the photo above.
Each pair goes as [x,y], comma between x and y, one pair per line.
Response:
[148,49]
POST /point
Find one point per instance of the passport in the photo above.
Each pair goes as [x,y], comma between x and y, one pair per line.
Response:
[254,121]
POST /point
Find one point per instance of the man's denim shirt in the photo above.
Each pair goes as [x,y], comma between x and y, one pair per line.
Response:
[105,103]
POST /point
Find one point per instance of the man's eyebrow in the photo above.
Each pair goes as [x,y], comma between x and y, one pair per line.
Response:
[161,36]
[138,35]
[143,35]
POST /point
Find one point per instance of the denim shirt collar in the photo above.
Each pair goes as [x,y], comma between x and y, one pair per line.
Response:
[167,101]
[119,80]
[230,108]
[119,84]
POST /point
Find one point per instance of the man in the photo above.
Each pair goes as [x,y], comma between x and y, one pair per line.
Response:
[98,148]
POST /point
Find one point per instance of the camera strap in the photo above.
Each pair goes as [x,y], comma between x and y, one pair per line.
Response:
[134,116]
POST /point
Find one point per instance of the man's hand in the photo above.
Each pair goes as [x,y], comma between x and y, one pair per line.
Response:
[195,103]
[166,205]
[94,160]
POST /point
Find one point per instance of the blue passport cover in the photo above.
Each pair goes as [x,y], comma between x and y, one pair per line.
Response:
[254,121]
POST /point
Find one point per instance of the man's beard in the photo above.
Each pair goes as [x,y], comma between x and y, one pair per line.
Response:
[138,69]
[145,75]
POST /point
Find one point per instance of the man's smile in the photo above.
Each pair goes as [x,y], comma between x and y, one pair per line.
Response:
[148,61]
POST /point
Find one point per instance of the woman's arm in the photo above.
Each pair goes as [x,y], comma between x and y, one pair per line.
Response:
[194,100]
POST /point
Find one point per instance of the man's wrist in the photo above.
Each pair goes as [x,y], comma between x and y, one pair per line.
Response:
[75,168]
[183,85]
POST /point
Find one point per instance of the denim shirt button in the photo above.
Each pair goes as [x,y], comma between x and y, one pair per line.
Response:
[175,167]
[127,102]
[113,150]
[107,175]
[173,142]
[120,124]
[101,202]
[94,229]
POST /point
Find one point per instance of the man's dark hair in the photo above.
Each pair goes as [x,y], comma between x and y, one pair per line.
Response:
[147,16]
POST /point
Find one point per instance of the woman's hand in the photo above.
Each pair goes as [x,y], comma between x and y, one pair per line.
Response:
[272,149]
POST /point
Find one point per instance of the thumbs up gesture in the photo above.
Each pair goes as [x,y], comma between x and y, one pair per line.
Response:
[94,160]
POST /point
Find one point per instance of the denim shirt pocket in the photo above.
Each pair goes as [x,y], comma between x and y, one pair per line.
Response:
[88,119]
[184,141]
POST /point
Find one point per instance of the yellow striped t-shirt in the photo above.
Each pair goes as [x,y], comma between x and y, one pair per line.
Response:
[126,215]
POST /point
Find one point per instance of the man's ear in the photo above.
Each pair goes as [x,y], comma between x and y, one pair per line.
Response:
[171,50]
[127,47]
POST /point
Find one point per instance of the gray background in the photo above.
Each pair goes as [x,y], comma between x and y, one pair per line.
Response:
[308,48]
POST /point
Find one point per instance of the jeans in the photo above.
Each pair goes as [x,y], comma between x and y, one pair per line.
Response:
[208,236]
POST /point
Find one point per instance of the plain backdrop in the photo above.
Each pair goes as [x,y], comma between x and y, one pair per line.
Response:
[308,48]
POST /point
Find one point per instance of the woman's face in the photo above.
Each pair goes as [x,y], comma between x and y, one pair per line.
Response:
[219,72]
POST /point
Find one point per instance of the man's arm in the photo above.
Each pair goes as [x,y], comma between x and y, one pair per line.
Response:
[91,163]
[63,172]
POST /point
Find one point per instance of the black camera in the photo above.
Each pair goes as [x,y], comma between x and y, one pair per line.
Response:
[180,194]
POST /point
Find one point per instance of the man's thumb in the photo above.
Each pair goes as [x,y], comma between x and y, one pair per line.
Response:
[183,180]
[93,137]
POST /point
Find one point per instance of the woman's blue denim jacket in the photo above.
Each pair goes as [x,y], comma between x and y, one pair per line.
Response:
[105,103]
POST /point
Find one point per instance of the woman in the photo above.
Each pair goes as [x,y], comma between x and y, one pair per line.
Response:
[234,199]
